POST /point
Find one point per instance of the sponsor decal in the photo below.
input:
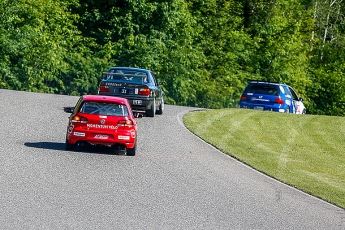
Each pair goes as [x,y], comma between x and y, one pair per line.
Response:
[99,136]
[288,102]
[119,84]
[70,129]
[259,99]
[102,121]
[123,137]
[113,84]
[97,126]
[78,134]
[133,134]
[102,116]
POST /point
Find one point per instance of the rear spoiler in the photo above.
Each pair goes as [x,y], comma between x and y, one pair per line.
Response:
[265,81]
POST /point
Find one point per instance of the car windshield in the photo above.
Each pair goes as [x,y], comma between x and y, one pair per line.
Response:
[263,89]
[103,108]
[131,76]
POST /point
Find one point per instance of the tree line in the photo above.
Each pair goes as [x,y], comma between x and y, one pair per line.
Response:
[204,51]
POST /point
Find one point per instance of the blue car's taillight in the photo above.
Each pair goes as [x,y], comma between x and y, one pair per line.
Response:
[279,100]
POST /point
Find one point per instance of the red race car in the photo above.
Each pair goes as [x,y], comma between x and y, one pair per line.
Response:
[104,121]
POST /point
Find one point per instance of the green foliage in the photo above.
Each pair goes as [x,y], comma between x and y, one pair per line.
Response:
[326,69]
[327,91]
[280,29]
[34,44]
[226,48]
[204,51]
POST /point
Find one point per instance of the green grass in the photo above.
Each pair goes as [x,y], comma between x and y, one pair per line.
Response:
[304,151]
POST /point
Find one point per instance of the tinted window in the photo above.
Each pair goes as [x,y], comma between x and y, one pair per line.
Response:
[294,95]
[286,91]
[263,89]
[154,79]
[108,109]
[132,76]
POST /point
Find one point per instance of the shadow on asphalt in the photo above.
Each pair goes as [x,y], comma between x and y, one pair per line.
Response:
[87,149]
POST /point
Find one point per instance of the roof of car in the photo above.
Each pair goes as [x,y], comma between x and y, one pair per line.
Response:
[102,98]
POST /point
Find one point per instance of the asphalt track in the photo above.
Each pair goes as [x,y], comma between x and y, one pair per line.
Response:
[176,181]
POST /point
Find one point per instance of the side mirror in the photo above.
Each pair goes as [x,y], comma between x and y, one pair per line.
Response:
[68,109]
[138,115]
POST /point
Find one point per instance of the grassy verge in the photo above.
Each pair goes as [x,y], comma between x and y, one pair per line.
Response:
[305,151]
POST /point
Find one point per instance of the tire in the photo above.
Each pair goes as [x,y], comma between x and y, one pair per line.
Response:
[68,146]
[304,111]
[151,112]
[287,109]
[131,152]
[161,107]
[119,149]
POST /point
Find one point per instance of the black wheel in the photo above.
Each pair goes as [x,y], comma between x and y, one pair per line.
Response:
[68,146]
[131,152]
[119,149]
[151,112]
[287,109]
[161,107]
[304,111]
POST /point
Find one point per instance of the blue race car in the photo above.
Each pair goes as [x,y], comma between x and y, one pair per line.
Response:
[272,96]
